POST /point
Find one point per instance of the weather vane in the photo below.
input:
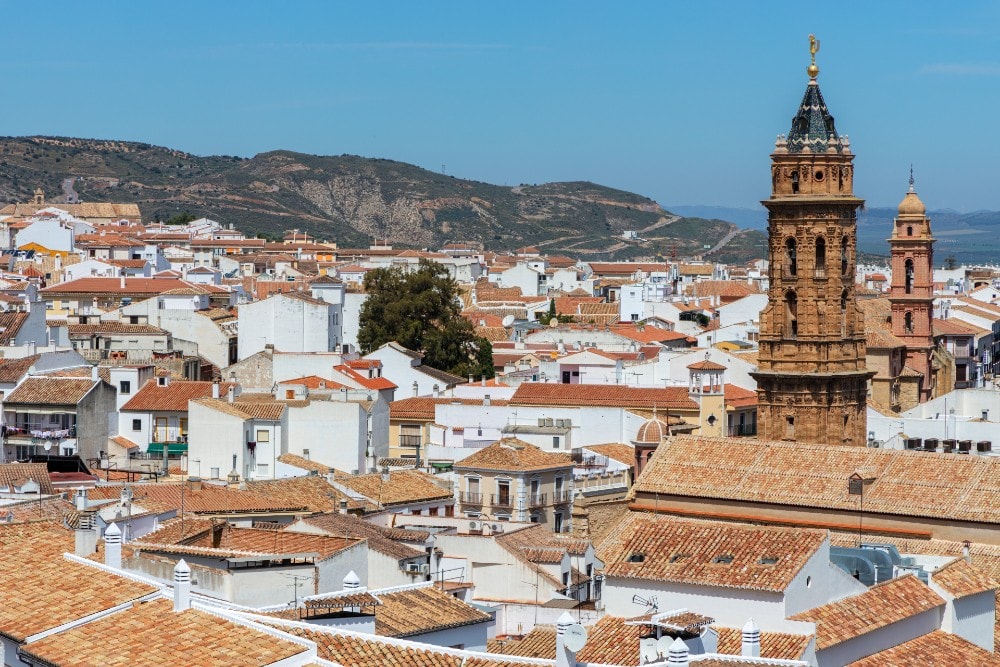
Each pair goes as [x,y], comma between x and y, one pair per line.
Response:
[813,49]
[911,178]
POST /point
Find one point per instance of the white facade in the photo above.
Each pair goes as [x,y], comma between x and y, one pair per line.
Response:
[404,369]
[291,322]
[215,436]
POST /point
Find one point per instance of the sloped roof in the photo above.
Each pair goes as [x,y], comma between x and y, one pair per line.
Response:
[173,397]
[960,579]
[46,390]
[513,455]
[416,611]
[934,649]
[16,474]
[943,486]
[707,553]
[609,395]
[813,126]
[881,605]
[381,539]
[245,409]
[403,487]
[12,370]
[11,322]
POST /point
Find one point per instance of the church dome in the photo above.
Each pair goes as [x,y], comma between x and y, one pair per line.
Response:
[652,432]
[911,205]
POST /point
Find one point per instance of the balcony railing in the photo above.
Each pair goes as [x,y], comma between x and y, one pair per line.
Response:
[562,497]
[538,500]
[501,500]
[583,459]
[470,498]
[743,430]
[42,430]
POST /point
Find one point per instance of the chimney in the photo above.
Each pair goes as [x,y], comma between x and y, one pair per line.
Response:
[85,537]
[564,656]
[416,389]
[482,380]
[750,647]
[182,586]
[215,389]
[94,374]
[81,499]
[967,551]
[471,379]
[437,391]
[113,546]
[486,400]
[343,505]
[123,281]
[351,581]
[678,654]
[217,528]
[231,394]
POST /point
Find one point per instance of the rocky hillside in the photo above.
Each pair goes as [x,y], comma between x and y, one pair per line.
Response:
[352,199]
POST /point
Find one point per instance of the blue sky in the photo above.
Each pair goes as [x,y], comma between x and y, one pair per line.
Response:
[679,101]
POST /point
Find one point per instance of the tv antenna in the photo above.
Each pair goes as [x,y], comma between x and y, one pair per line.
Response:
[649,603]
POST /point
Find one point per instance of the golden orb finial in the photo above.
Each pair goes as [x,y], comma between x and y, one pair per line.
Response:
[813,49]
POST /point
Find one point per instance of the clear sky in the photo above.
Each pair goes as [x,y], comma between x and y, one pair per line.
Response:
[679,101]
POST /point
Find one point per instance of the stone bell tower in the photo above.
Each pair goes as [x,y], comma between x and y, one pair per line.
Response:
[811,377]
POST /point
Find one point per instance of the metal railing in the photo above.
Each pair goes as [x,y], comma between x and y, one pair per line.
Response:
[501,500]
[410,441]
[743,429]
[562,497]
[469,498]
[537,500]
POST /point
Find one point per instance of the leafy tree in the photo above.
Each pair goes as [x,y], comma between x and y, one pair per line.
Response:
[420,310]
[181,218]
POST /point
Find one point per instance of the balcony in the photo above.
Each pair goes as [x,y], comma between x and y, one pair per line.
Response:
[538,500]
[27,430]
[501,500]
[742,430]
[562,498]
[470,498]
[585,459]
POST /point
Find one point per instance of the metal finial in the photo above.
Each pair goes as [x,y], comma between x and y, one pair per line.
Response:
[911,178]
[812,70]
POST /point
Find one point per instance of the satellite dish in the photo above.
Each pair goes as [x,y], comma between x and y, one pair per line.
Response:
[575,637]
[647,650]
[48,446]
[507,321]
[554,322]
[663,645]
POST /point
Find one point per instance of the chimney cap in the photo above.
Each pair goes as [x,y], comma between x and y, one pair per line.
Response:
[182,566]
[112,530]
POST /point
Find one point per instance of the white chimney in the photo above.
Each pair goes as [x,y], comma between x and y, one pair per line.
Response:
[343,505]
[113,546]
[564,657]
[678,655]
[85,537]
[352,582]
[231,394]
[471,379]
[750,647]
[182,586]
[486,400]
[215,389]
[94,374]
[31,348]
[123,281]
[437,391]
[80,499]
[416,389]
[967,551]
[482,380]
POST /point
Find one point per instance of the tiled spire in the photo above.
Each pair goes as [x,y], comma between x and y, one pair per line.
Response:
[813,127]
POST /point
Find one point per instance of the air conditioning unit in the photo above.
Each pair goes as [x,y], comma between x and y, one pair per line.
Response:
[497,528]
[425,568]
[414,567]
[475,525]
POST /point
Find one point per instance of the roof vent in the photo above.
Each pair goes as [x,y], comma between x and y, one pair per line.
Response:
[637,558]
[768,560]
[724,559]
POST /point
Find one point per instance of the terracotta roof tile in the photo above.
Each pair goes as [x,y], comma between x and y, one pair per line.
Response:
[368,651]
[12,370]
[960,579]
[620,452]
[778,645]
[173,397]
[539,643]
[948,486]
[935,649]
[50,391]
[312,491]
[244,409]
[665,548]
[383,540]
[275,541]
[204,498]
[305,464]
[511,454]
[403,487]
[538,393]
[417,611]
[422,407]
[16,474]
[881,605]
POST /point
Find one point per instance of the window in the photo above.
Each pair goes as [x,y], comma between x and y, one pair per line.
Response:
[555,442]
[125,387]
[908,322]
[136,424]
[791,314]
[909,231]
[289,394]
[263,435]
[791,258]
[820,257]
[790,427]
[843,313]
[795,174]
[909,276]
[843,256]
[262,470]
[557,523]
[724,559]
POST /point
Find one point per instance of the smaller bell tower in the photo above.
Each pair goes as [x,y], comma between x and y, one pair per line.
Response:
[707,388]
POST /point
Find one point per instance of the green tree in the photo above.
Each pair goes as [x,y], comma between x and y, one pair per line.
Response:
[420,310]
[181,218]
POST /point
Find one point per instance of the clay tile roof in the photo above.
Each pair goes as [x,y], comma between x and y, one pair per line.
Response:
[493,334]
[10,324]
[403,487]
[16,474]
[539,393]
[206,498]
[776,645]
[738,397]
[960,579]
[954,327]
[511,454]
[369,651]
[539,643]
[50,391]
[663,548]
[934,649]
[380,539]
[881,339]
[114,327]
[652,431]
[259,540]
[304,463]
[12,370]
[706,365]
[945,486]
[311,491]
[881,605]
[244,409]
[422,407]
[313,382]
[417,611]
[173,397]
[152,633]
[620,452]
[124,442]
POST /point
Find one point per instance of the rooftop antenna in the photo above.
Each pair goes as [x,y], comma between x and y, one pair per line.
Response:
[649,603]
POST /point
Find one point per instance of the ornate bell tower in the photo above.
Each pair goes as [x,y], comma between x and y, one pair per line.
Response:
[912,290]
[811,377]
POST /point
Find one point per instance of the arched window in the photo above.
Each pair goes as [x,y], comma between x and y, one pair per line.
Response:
[908,322]
[791,314]
[909,276]
[820,257]
[843,313]
[795,182]
[791,258]
[909,231]
[843,256]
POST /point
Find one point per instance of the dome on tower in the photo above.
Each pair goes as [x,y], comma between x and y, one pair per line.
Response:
[911,205]
[652,432]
